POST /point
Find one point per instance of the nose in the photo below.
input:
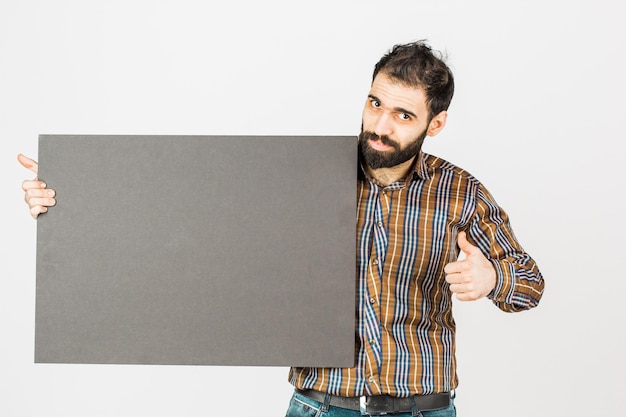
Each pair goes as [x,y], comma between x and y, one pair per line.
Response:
[383,125]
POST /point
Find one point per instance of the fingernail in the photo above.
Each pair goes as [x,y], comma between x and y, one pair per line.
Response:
[43,185]
[50,193]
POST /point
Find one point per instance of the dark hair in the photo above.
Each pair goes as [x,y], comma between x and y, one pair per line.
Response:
[415,64]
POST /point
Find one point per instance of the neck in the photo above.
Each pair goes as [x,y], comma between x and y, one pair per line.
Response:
[386,176]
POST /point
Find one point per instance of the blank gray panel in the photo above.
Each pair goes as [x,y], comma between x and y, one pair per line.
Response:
[197,250]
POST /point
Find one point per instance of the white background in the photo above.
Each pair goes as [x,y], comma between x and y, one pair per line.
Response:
[538,116]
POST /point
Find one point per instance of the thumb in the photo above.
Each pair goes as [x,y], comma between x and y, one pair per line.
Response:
[464,244]
[28,163]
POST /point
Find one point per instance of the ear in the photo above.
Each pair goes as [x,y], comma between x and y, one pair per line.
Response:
[437,123]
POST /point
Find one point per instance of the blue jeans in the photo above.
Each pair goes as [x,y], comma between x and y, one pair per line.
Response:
[302,406]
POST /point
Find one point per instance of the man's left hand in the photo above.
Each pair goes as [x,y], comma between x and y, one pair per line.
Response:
[472,277]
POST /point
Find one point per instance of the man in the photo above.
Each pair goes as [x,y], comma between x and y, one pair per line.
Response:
[416,212]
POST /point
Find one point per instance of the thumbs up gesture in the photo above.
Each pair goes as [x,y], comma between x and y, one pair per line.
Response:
[472,277]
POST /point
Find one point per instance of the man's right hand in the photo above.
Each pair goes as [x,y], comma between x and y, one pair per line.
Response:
[37,196]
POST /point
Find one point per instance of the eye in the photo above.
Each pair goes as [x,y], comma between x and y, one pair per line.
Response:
[404,116]
[375,103]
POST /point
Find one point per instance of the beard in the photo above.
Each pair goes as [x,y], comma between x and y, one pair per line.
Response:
[386,159]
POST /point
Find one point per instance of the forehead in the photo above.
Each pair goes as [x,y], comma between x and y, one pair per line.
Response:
[394,94]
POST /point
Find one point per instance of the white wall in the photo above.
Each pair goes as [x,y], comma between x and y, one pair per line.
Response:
[538,117]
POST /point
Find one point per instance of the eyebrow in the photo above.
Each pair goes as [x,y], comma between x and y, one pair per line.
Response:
[396,109]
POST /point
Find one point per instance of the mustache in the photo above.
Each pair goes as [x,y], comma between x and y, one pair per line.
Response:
[384,139]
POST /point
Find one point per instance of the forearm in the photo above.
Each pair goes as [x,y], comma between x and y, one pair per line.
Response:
[519,283]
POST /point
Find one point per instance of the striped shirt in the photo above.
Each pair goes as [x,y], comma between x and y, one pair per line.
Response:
[406,234]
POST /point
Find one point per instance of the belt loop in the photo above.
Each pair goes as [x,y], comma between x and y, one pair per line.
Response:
[415,412]
[326,404]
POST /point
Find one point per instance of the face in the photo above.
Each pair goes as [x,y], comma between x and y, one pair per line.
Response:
[395,123]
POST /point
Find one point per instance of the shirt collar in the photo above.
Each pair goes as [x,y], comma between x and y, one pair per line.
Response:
[420,168]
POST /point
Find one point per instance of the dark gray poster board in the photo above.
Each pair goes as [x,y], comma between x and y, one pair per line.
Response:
[197,250]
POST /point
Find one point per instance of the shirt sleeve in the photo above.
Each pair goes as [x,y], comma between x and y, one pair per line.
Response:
[519,283]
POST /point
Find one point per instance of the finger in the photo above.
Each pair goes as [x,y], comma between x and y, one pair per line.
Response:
[39,193]
[461,288]
[460,282]
[33,184]
[45,202]
[454,279]
[37,210]
[464,291]
[456,267]
[467,296]
[465,245]
[455,288]
[28,163]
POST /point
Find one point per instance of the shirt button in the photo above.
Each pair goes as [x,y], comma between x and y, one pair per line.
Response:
[380,224]
[371,379]
[372,300]
[375,262]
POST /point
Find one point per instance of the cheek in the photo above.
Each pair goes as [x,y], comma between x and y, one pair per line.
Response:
[403,137]
[367,119]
